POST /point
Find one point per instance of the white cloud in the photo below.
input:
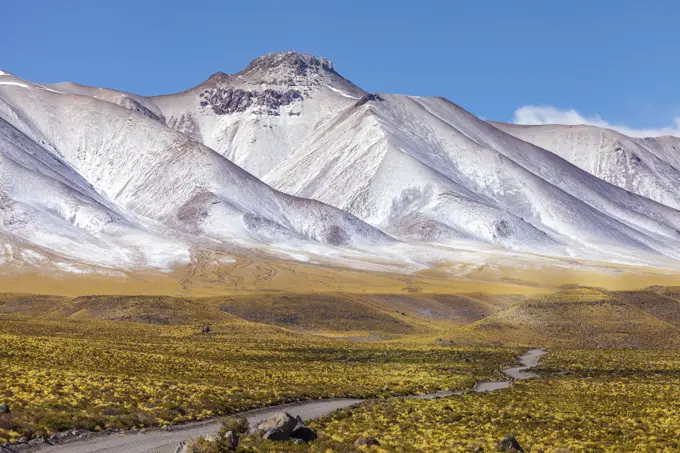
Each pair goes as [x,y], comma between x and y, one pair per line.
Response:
[545,114]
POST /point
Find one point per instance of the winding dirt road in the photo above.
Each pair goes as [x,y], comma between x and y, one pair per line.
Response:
[167,440]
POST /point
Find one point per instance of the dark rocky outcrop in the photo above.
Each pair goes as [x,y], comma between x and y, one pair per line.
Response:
[224,101]
[368,98]
[275,435]
[227,100]
[133,105]
[510,444]
[272,99]
[303,432]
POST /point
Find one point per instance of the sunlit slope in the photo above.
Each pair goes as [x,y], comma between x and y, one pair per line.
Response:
[646,166]
[578,318]
[424,169]
[97,172]
[316,313]
[654,302]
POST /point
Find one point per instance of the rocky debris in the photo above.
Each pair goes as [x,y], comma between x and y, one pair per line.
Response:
[4,408]
[367,98]
[294,63]
[231,440]
[133,105]
[70,434]
[281,421]
[275,435]
[273,99]
[229,100]
[510,444]
[303,432]
[228,440]
[366,442]
[502,229]
[478,449]
[282,426]
[224,101]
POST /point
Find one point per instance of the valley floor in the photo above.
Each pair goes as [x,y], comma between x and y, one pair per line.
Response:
[105,363]
[101,375]
[609,401]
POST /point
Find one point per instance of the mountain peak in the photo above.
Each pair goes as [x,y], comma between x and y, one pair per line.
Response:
[285,71]
[291,62]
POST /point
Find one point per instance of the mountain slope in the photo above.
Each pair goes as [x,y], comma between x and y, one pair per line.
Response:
[118,166]
[424,169]
[45,202]
[258,116]
[288,155]
[646,166]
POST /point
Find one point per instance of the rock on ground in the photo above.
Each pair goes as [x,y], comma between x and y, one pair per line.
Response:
[231,439]
[281,421]
[367,441]
[510,444]
[275,435]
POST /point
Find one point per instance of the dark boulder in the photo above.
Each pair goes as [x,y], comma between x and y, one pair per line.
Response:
[275,435]
[366,441]
[304,433]
[4,408]
[510,444]
[368,98]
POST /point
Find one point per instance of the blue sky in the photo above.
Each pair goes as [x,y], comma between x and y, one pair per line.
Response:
[610,61]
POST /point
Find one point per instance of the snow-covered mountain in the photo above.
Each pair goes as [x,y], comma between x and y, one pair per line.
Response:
[100,178]
[256,118]
[646,166]
[289,154]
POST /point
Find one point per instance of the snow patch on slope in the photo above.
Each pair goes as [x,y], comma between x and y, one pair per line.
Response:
[649,167]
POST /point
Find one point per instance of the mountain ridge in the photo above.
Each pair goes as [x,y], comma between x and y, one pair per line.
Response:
[347,174]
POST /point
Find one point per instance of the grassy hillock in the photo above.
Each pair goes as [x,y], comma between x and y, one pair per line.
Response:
[321,313]
[318,312]
[578,318]
[657,303]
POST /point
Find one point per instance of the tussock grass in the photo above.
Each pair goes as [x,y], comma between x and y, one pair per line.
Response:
[612,401]
[112,374]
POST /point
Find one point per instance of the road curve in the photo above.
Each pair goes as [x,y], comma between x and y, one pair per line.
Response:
[167,440]
[530,359]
